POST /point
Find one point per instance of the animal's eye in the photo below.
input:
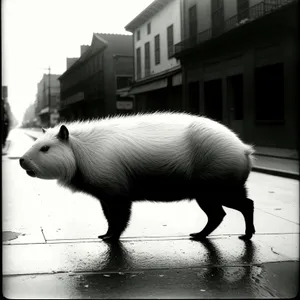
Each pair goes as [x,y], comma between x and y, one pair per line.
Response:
[44,148]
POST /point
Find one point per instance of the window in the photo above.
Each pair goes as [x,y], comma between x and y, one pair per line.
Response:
[235,89]
[99,58]
[269,93]
[147,59]
[138,35]
[157,49]
[170,41]
[194,106]
[123,81]
[193,21]
[148,28]
[138,63]
[243,9]
[217,17]
[95,67]
[213,100]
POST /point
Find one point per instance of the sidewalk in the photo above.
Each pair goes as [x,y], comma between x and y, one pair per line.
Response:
[273,161]
[277,161]
[277,166]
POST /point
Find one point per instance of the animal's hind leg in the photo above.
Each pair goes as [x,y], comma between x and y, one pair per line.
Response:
[215,214]
[243,204]
[247,209]
[118,215]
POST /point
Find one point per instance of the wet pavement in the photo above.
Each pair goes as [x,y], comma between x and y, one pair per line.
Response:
[50,249]
[269,280]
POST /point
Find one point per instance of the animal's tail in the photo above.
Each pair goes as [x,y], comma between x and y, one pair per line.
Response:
[249,153]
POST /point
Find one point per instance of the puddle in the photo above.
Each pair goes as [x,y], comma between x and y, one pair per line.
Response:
[10,235]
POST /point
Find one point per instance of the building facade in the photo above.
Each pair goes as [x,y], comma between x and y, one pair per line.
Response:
[48,99]
[89,86]
[239,61]
[29,118]
[157,75]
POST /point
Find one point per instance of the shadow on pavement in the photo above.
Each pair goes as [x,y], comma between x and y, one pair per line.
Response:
[116,257]
[212,279]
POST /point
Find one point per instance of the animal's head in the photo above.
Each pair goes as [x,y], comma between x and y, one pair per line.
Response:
[51,156]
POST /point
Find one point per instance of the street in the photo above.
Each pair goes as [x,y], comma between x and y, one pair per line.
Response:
[50,245]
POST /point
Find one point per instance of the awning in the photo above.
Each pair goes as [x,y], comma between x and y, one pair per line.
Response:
[123,92]
[155,85]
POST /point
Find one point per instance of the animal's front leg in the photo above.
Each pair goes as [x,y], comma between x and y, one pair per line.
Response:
[106,213]
[117,213]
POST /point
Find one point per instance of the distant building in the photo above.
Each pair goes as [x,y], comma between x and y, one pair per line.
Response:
[157,74]
[89,86]
[48,100]
[29,118]
[239,61]
[71,61]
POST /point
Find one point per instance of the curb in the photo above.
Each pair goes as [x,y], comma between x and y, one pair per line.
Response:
[277,156]
[276,172]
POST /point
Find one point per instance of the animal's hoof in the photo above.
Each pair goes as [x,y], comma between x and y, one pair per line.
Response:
[193,234]
[108,237]
[104,236]
[198,236]
[245,237]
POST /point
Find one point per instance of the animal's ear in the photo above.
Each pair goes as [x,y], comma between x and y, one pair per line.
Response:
[44,130]
[63,133]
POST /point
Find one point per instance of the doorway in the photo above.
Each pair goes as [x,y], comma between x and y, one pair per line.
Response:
[235,88]
[194,97]
[213,100]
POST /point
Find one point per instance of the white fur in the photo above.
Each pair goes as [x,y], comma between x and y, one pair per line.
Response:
[106,150]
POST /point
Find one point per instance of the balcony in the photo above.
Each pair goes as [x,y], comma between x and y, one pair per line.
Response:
[252,13]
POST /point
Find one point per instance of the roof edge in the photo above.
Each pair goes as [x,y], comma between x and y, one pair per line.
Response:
[152,9]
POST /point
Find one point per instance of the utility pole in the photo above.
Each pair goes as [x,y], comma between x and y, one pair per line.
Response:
[49,96]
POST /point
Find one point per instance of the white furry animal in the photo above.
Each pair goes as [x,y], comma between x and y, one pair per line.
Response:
[156,157]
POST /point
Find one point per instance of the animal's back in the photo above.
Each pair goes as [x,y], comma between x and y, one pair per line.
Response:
[162,151]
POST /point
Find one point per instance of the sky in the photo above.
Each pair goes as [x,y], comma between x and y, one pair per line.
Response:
[37,34]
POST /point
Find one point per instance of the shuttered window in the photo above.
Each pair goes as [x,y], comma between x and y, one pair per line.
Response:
[138,63]
[170,40]
[217,16]
[193,21]
[157,49]
[147,59]
[243,9]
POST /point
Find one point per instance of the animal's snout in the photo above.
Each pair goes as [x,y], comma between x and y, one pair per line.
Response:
[21,161]
[27,167]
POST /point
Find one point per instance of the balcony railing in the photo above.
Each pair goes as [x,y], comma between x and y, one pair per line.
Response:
[252,13]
